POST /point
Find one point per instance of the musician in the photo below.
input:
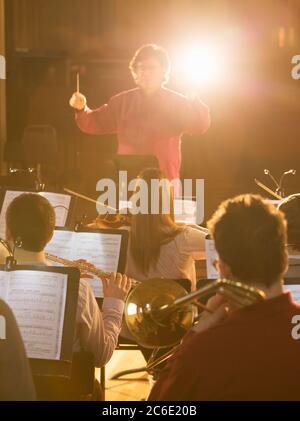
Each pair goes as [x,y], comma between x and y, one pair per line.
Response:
[158,246]
[30,221]
[150,119]
[247,353]
[16,380]
[290,206]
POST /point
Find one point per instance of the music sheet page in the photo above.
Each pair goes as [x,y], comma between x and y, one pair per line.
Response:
[38,300]
[211,256]
[185,211]
[61,203]
[102,250]
[3,285]
[10,195]
[61,244]
[295,291]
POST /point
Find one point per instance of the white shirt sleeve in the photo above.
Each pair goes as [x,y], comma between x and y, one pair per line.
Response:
[98,331]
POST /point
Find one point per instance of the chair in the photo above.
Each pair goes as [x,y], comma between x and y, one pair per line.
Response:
[16,380]
[40,149]
[18,176]
[36,152]
[80,384]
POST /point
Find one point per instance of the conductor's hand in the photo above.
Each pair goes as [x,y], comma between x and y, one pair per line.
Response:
[117,286]
[77,101]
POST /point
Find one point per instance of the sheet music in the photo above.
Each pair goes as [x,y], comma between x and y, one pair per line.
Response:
[60,202]
[38,300]
[61,244]
[10,195]
[3,285]
[295,290]
[185,210]
[211,256]
[100,249]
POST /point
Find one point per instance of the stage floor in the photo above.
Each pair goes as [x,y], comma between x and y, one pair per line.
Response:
[134,387]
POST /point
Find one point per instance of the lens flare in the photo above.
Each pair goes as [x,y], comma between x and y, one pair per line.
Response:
[200,65]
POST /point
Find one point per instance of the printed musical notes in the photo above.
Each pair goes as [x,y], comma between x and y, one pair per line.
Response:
[211,257]
[60,202]
[37,299]
[100,249]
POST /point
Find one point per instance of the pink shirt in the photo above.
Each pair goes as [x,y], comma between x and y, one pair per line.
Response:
[148,125]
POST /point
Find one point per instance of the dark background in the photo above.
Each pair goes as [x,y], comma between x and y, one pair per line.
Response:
[255,112]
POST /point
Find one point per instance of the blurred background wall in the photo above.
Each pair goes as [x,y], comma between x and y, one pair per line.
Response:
[254,101]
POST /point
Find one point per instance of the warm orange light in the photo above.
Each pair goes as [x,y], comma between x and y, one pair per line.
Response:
[198,66]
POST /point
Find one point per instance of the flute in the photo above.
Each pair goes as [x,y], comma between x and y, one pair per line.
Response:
[84,267]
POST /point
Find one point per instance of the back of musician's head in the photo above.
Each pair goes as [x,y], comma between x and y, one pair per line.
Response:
[30,218]
[291,209]
[250,237]
[159,197]
[151,229]
[151,51]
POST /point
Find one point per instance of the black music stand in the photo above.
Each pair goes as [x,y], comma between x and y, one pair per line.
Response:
[123,234]
[4,191]
[56,372]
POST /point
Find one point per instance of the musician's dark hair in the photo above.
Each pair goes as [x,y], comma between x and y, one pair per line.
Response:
[290,206]
[250,237]
[150,231]
[30,219]
[151,51]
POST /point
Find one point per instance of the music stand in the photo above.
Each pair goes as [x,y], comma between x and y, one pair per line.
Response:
[293,284]
[63,365]
[6,192]
[103,236]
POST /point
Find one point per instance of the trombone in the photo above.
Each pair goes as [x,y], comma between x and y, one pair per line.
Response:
[159,312]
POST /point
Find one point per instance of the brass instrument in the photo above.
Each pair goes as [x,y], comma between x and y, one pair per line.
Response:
[84,267]
[159,312]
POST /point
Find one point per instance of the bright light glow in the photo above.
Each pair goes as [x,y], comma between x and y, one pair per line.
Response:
[197,66]
[131,309]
